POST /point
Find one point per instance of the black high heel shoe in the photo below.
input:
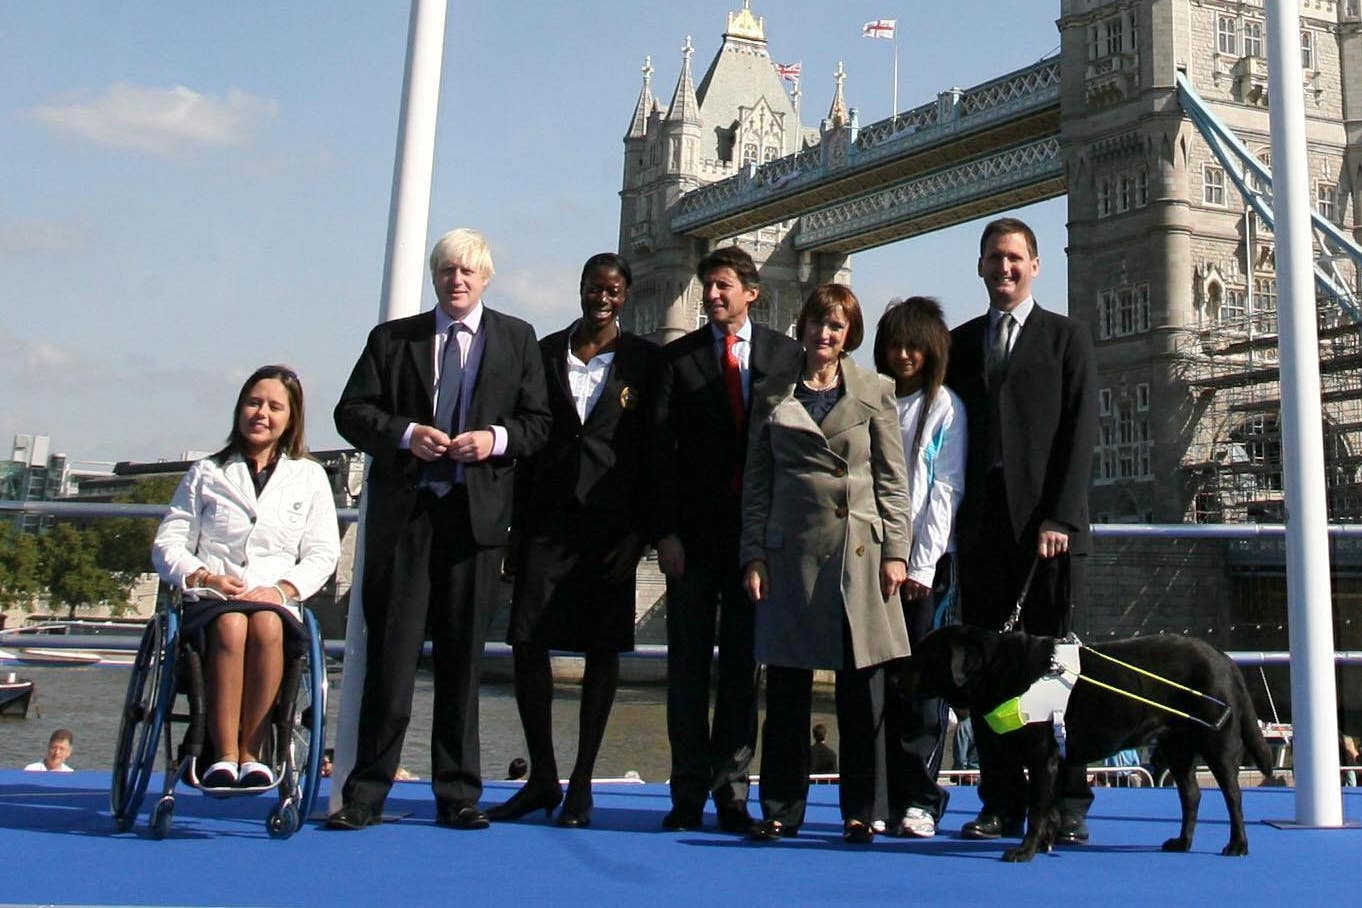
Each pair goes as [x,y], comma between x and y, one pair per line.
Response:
[533,796]
[576,812]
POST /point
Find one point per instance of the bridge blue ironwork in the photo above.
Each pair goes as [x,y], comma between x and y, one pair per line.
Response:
[969,153]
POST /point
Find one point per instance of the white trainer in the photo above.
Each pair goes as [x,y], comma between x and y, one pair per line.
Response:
[916,824]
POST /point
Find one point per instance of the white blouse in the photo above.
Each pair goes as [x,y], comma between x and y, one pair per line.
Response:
[936,477]
[217,522]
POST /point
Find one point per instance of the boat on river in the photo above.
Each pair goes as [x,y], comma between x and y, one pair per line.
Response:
[15,694]
[75,641]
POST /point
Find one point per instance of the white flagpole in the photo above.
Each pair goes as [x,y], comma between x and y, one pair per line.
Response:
[896,70]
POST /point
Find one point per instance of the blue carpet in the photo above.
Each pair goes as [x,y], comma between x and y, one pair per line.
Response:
[62,849]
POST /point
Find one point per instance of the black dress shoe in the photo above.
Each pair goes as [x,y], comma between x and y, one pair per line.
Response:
[735,819]
[857,832]
[681,819]
[354,816]
[992,826]
[533,796]
[1073,830]
[771,831]
[576,812]
[465,817]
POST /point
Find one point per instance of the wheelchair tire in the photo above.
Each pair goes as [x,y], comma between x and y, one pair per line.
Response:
[283,821]
[151,691]
[309,724]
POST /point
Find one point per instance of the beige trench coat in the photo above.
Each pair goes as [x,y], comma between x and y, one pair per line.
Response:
[823,506]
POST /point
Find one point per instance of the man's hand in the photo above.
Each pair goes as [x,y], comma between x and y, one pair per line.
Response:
[671,556]
[428,443]
[1052,540]
[471,447]
[892,575]
[755,580]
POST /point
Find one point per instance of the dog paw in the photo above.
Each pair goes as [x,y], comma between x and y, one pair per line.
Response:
[1018,855]
[1178,844]
[1235,849]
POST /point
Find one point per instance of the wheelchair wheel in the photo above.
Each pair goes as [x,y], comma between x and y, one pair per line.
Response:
[151,690]
[283,821]
[309,723]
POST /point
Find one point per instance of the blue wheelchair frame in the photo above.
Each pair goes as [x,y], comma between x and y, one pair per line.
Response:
[167,668]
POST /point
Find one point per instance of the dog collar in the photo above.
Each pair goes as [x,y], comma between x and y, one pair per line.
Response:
[1045,700]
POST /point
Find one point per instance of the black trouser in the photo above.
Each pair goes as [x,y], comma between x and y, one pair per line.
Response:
[915,726]
[993,569]
[785,741]
[438,579]
[706,761]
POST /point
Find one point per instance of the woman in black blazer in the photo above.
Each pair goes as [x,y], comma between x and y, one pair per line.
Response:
[580,518]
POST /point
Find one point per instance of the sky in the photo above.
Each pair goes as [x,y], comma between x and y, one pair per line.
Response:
[189,190]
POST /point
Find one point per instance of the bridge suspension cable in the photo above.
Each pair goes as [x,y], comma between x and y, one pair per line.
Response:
[1253,179]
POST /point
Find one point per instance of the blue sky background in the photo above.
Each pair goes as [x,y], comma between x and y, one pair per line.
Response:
[191,189]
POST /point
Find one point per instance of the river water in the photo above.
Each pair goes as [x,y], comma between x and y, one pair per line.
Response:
[87,700]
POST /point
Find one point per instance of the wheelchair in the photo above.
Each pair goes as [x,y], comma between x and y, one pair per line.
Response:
[167,686]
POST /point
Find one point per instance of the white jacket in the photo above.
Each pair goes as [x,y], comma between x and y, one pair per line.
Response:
[216,522]
[936,477]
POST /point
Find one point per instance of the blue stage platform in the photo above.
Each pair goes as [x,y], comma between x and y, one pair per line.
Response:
[61,848]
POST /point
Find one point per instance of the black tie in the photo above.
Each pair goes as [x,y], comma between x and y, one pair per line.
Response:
[451,383]
[997,351]
[438,476]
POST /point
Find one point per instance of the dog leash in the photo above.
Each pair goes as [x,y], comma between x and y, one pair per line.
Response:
[1015,617]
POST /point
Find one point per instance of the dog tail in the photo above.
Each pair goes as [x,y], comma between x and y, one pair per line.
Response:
[1248,726]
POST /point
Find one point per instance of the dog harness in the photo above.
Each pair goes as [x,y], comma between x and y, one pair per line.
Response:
[1045,700]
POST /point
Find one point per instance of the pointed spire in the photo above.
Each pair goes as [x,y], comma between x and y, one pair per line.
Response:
[837,113]
[685,108]
[638,126]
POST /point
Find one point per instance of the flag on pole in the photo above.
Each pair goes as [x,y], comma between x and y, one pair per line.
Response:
[789,71]
[880,28]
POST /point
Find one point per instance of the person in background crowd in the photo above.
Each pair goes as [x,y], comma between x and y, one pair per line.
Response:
[59,747]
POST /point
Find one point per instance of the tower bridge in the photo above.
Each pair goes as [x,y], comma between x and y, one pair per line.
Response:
[1170,251]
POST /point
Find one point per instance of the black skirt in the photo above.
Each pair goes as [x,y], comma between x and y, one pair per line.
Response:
[198,615]
[562,599]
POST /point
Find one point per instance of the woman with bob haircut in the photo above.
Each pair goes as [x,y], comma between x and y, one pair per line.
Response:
[250,534]
[825,541]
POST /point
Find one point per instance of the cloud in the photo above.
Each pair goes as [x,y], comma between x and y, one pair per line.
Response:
[39,237]
[165,122]
[545,297]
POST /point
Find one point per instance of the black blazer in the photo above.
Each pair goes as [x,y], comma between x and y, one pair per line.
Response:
[601,465]
[393,385]
[697,448]
[1048,417]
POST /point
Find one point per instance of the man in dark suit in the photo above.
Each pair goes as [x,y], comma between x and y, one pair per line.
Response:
[444,402]
[700,420]
[1029,385]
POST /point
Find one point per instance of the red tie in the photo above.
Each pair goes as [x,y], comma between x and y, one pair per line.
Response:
[736,405]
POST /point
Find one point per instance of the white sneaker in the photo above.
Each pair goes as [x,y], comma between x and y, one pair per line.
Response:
[916,824]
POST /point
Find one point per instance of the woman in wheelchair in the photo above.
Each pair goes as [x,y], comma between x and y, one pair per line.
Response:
[250,534]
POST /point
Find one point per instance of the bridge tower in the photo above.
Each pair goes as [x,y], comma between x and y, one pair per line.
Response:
[1172,270]
[738,117]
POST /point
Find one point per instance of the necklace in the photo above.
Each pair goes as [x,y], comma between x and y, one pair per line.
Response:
[813,385]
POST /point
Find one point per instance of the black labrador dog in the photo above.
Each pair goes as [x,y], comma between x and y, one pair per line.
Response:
[981,669]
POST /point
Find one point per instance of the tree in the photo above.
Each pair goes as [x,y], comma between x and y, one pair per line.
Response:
[20,578]
[124,543]
[70,567]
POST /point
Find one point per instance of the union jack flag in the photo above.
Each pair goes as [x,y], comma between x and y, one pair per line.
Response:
[789,71]
[880,28]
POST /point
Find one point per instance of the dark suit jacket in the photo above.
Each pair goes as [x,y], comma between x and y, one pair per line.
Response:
[600,466]
[393,384]
[1048,417]
[697,448]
